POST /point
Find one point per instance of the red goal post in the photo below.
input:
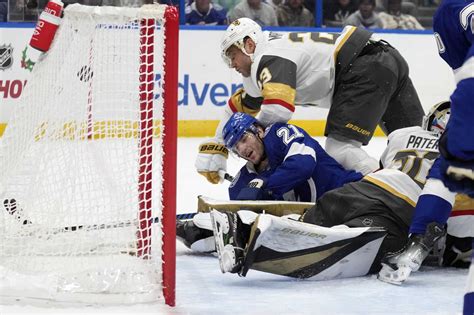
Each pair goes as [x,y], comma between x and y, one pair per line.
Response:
[170,159]
[89,159]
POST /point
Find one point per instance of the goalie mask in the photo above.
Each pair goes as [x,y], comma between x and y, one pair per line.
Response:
[236,33]
[438,117]
[237,125]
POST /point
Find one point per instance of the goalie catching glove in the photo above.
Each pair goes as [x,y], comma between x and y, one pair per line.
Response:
[211,158]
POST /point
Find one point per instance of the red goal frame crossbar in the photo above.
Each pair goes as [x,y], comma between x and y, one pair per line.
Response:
[170,134]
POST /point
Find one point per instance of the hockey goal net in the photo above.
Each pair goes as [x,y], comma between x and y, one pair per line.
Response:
[88,163]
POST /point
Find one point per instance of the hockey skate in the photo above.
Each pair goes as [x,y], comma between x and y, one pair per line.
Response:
[397,267]
[229,242]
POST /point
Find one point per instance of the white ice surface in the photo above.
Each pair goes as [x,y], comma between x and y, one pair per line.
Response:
[203,289]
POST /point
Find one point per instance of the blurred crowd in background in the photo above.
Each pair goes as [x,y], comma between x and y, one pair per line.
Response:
[371,14]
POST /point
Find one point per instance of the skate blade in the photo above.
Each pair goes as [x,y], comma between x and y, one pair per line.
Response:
[218,237]
[389,275]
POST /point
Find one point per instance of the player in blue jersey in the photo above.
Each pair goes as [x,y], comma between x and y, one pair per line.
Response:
[434,204]
[420,146]
[363,81]
[286,161]
[453,26]
[290,164]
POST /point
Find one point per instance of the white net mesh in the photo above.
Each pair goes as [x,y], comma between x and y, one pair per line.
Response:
[81,164]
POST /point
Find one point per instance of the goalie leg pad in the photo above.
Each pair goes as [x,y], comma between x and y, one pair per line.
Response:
[196,234]
[297,249]
[275,207]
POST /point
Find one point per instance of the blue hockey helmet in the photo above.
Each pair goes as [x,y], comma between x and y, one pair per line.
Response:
[236,126]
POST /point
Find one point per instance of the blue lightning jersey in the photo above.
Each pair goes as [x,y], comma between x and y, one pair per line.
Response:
[298,167]
[453,26]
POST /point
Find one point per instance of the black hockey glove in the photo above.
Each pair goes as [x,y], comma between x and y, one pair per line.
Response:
[458,252]
[457,175]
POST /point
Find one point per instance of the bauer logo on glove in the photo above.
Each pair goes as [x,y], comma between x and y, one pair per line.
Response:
[214,148]
[211,159]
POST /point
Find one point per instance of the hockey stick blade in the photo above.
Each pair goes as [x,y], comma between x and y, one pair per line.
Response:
[10,206]
[182,216]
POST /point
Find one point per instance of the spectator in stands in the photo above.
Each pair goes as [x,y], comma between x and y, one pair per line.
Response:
[175,3]
[228,5]
[114,3]
[293,13]
[120,3]
[260,12]
[408,7]
[20,11]
[336,12]
[310,5]
[3,10]
[365,16]
[275,4]
[395,19]
[203,12]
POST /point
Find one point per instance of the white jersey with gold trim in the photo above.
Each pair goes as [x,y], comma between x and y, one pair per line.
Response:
[309,57]
[461,221]
[291,69]
[288,70]
[412,151]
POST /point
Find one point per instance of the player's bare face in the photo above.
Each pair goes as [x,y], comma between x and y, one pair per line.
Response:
[239,61]
[251,148]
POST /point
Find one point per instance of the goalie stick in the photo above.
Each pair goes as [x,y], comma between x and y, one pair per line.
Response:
[10,206]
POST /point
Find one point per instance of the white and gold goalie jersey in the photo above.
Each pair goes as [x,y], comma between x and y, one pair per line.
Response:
[406,161]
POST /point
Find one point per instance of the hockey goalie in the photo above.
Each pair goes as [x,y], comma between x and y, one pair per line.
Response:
[354,223]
